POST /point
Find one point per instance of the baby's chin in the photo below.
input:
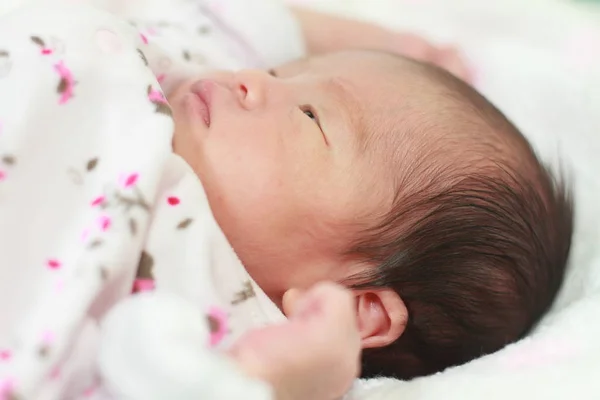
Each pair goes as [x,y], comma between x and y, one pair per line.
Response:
[185,145]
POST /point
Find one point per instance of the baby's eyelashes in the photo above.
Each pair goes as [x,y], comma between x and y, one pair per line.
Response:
[272,72]
[310,113]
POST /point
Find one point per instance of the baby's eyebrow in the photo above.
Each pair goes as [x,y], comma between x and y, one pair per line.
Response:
[345,97]
[354,111]
[336,86]
[304,61]
[300,63]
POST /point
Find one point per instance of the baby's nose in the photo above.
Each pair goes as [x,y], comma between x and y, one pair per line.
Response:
[250,87]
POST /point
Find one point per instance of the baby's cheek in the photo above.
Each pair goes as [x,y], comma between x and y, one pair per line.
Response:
[250,178]
[185,147]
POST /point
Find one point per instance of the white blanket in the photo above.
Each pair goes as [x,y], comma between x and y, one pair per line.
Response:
[539,60]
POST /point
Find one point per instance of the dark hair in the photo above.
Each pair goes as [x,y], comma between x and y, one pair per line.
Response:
[480,263]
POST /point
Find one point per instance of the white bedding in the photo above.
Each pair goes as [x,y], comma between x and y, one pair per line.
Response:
[535,59]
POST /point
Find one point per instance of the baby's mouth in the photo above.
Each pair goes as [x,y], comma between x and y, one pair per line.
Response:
[203,90]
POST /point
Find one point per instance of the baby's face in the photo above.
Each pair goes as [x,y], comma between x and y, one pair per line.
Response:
[289,166]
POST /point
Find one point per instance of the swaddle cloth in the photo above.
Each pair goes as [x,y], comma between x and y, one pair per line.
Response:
[94,205]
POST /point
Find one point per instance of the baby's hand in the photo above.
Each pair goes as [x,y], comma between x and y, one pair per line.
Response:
[445,57]
[315,354]
[327,33]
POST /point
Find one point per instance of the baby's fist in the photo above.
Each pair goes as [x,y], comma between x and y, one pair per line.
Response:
[449,58]
[315,354]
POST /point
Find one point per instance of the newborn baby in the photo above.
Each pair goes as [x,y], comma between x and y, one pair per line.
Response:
[392,177]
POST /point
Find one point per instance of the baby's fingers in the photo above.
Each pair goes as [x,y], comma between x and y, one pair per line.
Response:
[324,300]
[452,60]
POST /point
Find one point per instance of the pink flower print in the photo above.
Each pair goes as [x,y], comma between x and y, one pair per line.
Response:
[158,99]
[143,285]
[130,180]
[217,324]
[5,355]
[46,339]
[150,31]
[6,160]
[173,201]
[98,201]
[44,49]
[89,392]
[104,223]
[55,373]
[6,389]
[156,96]
[66,84]
[54,47]
[53,264]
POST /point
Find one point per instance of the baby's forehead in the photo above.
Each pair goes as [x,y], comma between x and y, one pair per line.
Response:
[383,84]
[351,65]
[413,113]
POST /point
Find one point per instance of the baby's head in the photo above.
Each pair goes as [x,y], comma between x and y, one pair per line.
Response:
[394,178]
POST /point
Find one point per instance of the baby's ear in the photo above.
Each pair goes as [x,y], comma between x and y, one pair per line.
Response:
[381,315]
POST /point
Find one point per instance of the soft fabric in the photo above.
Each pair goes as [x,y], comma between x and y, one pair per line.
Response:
[539,61]
[94,205]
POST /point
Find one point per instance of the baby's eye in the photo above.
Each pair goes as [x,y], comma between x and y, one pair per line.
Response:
[309,112]
[310,115]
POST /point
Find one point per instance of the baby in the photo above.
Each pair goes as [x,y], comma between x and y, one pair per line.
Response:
[394,178]
[390,177]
